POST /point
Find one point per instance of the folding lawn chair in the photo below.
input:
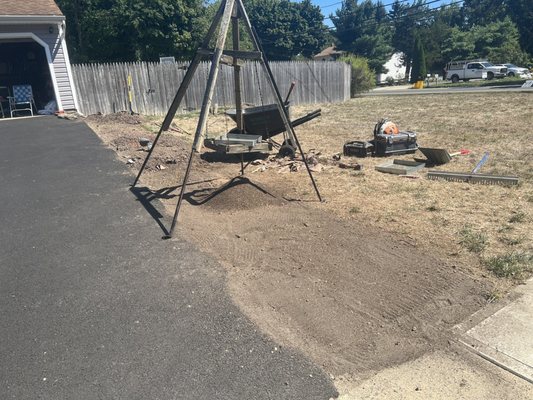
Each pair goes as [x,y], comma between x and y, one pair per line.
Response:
[4,99]
[22,99]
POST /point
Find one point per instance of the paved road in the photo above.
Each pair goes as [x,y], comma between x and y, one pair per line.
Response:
[406,90]
[94,305]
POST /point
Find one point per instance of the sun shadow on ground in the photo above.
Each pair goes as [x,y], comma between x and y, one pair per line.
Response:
[146,197]
[203,196]
[216,157]
[249,195]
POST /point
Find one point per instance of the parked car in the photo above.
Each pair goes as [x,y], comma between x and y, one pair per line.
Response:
[513,70]
[475,69]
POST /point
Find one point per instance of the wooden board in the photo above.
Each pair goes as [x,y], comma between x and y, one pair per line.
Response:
[436,156]
[400,167]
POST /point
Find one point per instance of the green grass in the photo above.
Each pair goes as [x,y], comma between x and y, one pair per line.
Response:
[517,217]
[511,241]
[493,296]
[474,242]
[433,207]
[505,228]
[511,265]
[481,83]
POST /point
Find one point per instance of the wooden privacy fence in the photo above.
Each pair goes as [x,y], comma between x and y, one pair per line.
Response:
[103,88]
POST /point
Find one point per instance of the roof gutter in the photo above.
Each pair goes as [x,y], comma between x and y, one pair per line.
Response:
[31,19]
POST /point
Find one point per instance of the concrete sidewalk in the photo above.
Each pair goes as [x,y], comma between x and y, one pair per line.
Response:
[505,338]
[491,357]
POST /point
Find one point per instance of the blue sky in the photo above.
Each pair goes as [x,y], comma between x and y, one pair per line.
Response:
[329,6]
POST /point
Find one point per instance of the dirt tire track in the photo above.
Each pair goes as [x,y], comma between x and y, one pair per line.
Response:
[351,297]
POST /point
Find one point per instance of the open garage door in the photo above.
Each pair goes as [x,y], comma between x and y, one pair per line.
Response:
[24,62]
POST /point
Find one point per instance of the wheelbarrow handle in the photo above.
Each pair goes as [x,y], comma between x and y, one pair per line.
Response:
[293,84]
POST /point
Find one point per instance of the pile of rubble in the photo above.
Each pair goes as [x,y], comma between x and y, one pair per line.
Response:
[317,163]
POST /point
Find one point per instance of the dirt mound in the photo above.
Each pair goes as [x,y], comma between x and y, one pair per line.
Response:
[125,143]
[120,117]
[238,194]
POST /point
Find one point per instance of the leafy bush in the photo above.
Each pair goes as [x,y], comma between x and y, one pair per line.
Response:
[363,78]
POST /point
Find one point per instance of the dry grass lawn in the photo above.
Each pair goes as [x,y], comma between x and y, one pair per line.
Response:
[480,226]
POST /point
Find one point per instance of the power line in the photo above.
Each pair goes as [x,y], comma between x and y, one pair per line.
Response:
[376,5]
[372,21]
[331,5]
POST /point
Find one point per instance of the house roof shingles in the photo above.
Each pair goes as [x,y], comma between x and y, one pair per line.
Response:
[328,51]
[33,7]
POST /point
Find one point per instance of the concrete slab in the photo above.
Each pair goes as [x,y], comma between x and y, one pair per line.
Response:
[505,338]
[442,375]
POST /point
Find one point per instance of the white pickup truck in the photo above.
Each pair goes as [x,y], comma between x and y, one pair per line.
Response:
[466,70]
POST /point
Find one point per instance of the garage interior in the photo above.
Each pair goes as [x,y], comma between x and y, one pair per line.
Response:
[24,62]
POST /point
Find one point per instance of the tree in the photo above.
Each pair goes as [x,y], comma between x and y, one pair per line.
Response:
[437,32]
[419,71]
[483,12]
[132,30]
[287,29]
[460,45]
[521,13]
[497,42]
[407,20]
[362,29]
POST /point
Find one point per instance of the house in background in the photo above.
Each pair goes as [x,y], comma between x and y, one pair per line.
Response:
[396,69]
[328,54]
[33,51]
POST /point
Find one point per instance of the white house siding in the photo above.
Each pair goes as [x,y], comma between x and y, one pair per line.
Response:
[53,41]
[395,69]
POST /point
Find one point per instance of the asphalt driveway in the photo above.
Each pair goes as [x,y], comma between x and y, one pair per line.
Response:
[94,305]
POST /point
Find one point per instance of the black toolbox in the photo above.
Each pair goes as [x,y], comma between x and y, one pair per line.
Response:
[358,148]
[400,143]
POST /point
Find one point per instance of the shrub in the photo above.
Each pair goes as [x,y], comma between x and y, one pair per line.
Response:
[363,78]
[419,70]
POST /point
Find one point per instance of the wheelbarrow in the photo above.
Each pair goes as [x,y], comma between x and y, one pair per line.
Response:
[266,120]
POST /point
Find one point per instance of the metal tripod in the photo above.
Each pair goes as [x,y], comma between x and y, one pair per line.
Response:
[229,12]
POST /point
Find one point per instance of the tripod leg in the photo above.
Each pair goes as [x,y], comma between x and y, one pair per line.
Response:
[172,111]
[182,89]
[182,192]
[227,8]
[213,73]
[274,87]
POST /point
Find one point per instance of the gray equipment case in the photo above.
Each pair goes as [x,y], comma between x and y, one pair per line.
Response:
[401,143]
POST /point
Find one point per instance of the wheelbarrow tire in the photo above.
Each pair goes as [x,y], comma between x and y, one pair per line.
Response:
[236,130]
[287,149]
